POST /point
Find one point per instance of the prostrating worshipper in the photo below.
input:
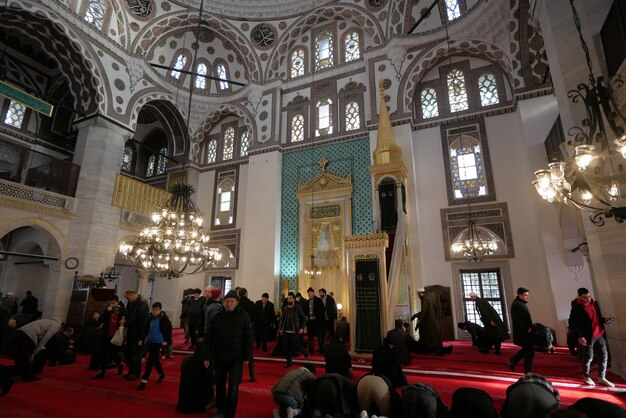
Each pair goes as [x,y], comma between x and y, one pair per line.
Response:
[386,363]
[397,337]
[430,340]
[57,351]
[495,329]
[598,408]
[543,338]
[531,396]
[290,327]
[291,390]
[523,331]
[476,331]
[135,319]
[337,358]
[376,396]
[333,395]
[158,334]
[107,352]
[229,342]
[195,389]
[421,400]
[30,340]
[473,403]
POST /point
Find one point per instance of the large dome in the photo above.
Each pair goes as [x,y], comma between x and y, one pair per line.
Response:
[259,10]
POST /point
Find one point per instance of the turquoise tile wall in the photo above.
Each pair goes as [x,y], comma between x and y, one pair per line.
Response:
[344,158]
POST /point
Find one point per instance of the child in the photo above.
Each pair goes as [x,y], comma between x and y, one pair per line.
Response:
[159,334]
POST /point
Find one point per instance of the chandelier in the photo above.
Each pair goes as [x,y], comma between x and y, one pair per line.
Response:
[472,243]
[592,177]
[176,242]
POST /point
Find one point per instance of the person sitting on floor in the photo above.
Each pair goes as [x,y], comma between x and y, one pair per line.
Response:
[385,363]
[476,331]
[291,390]
[421,400]
[531,396]
[337,358]
[397,337]
[57,350]
[195,389]
[598,408]
[333,395]
[473,403]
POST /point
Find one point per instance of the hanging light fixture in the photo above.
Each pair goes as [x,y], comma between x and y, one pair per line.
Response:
[592,179]
[176,243]
[472,243]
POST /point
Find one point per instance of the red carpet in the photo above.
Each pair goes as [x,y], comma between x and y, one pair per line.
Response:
[68,391]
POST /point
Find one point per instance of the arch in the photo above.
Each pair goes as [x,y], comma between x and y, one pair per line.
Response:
[39,224]
[431,57]
[213,119]
[357,15]
[65,47]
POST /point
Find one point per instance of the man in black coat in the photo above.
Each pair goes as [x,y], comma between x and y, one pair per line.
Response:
[195,390]
[331,312]
[316,320]
[587,324]
[291,325]
[337,358]
[229,343]
[110,321]
[523,331]
[385,363]
[137,311]
[495,329]
[264,320]
[195,314]
[398,338]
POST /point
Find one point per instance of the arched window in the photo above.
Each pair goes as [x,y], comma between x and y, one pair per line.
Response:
[457,91]
[428,97]
[324,117]
[95,12]
[453,9]
[162,165]
[181,62]
[245,143]
[352,49]
[150,167]
[297,128]
[15,115]
[201,70]
[468,169]
[324,50]
[353,117]
[211,152]
[224,205]
[297,63]
[222,72]
[488,89]
[229,144]
[127,159]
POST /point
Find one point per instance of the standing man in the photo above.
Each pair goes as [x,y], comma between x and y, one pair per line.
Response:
[195,313]
[137,312]
[495,329]
[331,312]
[110,321]
[291,326]
[587,324]
[523,332]
[183,314]
[430,338]
[229,343]
[316,323]
[29,304]
[264,319]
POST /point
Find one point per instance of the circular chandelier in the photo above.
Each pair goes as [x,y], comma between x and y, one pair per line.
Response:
[176,242]
[592,178]
[473,244]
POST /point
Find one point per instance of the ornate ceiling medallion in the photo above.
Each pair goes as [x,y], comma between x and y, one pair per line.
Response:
[263,35]
[377,3]
[141,8]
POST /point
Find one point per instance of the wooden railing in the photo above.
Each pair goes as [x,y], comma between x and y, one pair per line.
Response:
[136,196]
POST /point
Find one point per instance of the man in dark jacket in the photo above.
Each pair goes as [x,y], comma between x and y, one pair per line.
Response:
[316,320]
[137,312]
[385,363]
[29,304]
[110,322]
[264,319]
[195,313]
[291,325]
[397,337]
[331,312]
[337,358]
[183,314]
[248,306]
[195,390]
[229,343]
[587,324]
[158,334]
[495,329]
[523,331]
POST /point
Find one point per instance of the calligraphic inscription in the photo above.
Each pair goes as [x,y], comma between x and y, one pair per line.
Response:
[263,35]
[325,212]
[141,8]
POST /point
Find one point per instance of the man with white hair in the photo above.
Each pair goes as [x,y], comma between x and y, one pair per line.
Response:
[430,338]
[495,329]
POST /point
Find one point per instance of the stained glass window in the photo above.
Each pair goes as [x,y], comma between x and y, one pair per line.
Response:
[323,50]
[245,143]
[180,63]
[151,164]
[486,284]
[468,169]
[324,117]
[453,9]
[127,159]
[297,128]
[488,89]
[457,91]
[201,81]
[297,63]
[430,109]
[229,144]
[162,165]
[353,118]
[223,74]
[352,47]
[211,154]
[15,115]
[95,13]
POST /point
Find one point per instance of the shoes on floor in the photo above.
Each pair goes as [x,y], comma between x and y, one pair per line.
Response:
[98,376]
[160,379]
[141,386]
[587,381]
[605,382]
[31,379]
